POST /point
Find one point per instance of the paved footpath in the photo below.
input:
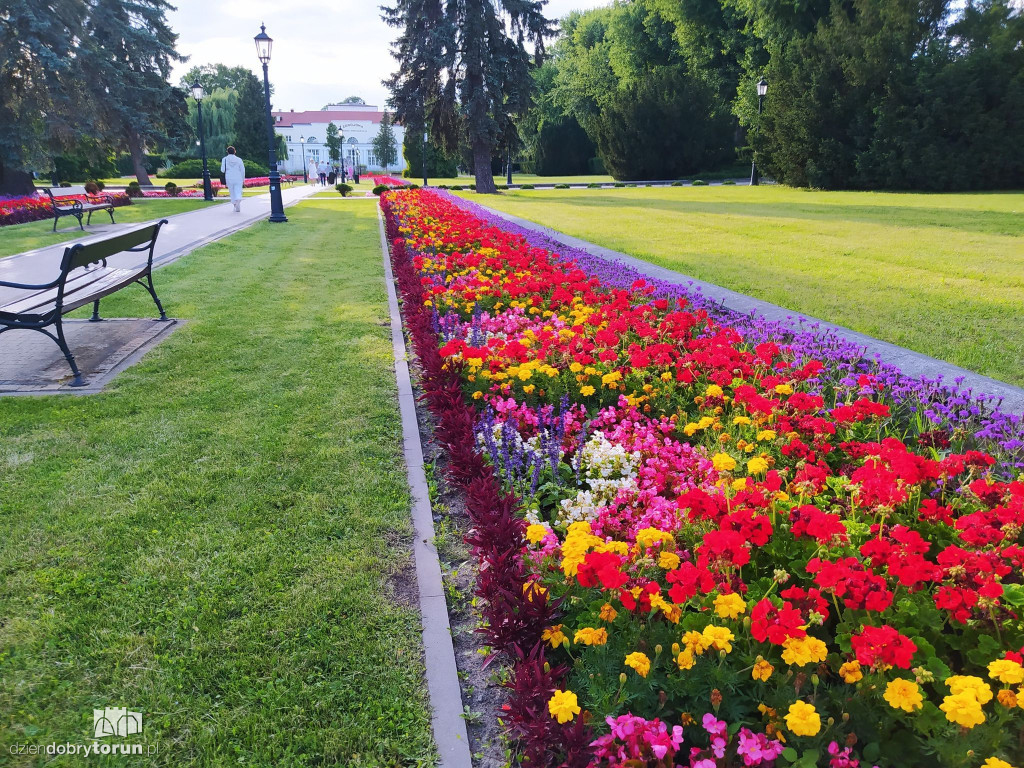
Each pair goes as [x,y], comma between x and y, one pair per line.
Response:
[183,233]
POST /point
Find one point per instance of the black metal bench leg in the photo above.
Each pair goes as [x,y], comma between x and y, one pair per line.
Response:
[111,212]
[80,223]
[88,219]
[95,312]
[56,218]
[148,285]
[63,344]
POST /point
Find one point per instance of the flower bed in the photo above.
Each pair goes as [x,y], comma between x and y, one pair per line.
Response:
[19,210]
[180,193]
[390,181]
[711,544]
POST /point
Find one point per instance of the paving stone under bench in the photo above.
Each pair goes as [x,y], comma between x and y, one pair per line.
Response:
[32,364]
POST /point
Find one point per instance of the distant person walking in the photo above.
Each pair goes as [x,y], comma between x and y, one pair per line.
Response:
[234,176]
[322,168]
[313,173]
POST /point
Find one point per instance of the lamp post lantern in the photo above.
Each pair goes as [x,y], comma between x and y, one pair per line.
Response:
[762,89]
[198,94]
[263,45]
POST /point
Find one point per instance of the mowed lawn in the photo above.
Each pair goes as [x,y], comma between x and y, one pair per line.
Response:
[18,238]
[942,274]
[221,541]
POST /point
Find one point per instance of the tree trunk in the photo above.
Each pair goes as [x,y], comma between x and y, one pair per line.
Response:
[138,158]
[482,168]
[15,183]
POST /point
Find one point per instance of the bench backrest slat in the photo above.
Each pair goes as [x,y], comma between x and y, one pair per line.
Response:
[66,191]
[83,254]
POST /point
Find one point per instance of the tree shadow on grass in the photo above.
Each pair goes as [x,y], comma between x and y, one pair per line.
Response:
[1008,223]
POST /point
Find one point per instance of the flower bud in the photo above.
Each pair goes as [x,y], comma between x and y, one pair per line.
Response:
[622,678]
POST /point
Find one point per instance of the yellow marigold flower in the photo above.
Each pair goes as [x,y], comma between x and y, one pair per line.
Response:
[587,391]
[524,374]
[591,636]
[535,533]
[799,651]
[639,662]
[723,462]
[611,378]
[563,706]
[685,659]
[555,636]
[850,672]
[668,560]
[741,421]
[762,670]
[528,389]
[802,719]
[1006,671]
[608,613]
[695,642]
[575,367]
[739,484]
[648,537]
[713,390]
[903,694]
[783,389]
[719,638]
[972,685]
[766,434]
[995,762]
[757,465]
[1007,698]
[477,395]
[963,709]
[730,606]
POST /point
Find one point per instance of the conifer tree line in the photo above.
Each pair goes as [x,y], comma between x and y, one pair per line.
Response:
[85,82]
[862,94]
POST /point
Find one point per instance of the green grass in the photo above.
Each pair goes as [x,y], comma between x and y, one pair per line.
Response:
[221,540]
[38,234]
[942,274]
[520,178]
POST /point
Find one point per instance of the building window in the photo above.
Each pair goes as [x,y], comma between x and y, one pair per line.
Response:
[371,158]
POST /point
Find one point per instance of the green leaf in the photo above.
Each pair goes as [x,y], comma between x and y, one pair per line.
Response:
[789,755]
[871,752]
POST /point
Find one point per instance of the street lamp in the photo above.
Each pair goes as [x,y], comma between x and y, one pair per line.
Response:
[198,94]
[305,176]
[762,89]
[263,45]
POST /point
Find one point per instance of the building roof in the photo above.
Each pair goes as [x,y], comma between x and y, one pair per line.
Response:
[288,119]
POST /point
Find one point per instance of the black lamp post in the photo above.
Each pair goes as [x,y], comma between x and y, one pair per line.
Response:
[263,45]
[425,184]
[762,89]
[198,94]
[305,176]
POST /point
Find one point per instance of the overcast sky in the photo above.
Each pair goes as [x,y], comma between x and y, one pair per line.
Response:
[324,50]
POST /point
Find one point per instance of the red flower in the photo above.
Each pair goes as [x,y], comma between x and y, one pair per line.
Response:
[878,646]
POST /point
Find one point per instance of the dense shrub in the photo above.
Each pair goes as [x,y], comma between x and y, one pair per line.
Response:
[134,190]
[380,188]
[698,183]
[343,189]
[193,169]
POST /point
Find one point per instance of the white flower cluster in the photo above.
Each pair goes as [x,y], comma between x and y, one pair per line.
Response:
[606,468]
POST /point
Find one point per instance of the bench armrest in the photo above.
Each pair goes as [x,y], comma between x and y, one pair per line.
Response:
[29,286]
[107,199]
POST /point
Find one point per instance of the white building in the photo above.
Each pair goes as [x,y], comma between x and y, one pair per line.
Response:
[357,123]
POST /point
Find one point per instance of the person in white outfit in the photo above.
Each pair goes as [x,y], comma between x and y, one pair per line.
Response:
[234,176]
[314,172]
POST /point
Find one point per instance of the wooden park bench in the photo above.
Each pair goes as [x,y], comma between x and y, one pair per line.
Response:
[84,279]
[67,206]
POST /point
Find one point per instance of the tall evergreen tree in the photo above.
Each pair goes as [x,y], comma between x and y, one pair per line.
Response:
[127,51]
[385,146]
[39,72]
[251,121]
[463,69]
[333,142]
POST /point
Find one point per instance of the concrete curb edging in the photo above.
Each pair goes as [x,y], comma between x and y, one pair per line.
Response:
[443,685]
[913,364]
